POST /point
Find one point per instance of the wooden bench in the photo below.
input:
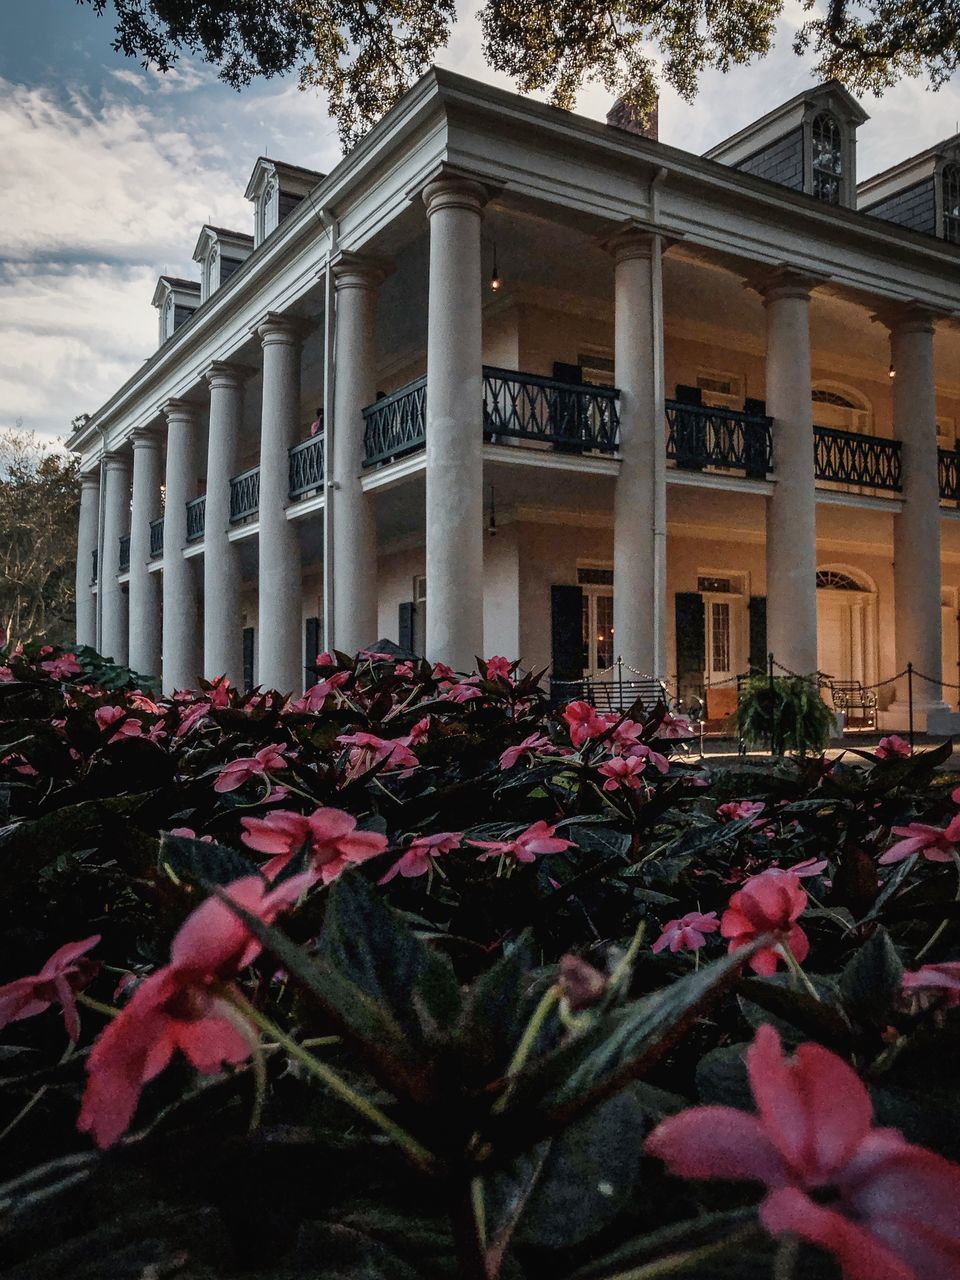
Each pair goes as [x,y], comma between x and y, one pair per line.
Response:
[612,695]
[855,703]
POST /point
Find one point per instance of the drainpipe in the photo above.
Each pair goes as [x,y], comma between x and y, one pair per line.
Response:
[660,453]
[329,352]
[98,615]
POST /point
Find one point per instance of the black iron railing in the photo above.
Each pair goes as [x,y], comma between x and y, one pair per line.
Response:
[395,424]
[123,561]
[245,495]
[95,557]
[700,436]
[196,516]
[156,538]
[948,463]
[572,416]
[306,467]
[848,457]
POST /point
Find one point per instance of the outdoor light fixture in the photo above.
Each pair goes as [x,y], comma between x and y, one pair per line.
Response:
[893,372]
[495,281]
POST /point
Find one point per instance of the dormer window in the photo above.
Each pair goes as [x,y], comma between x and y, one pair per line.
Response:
[276,189]
[950,187]
[220,253]
[827,158]
[176,301]
[266,215]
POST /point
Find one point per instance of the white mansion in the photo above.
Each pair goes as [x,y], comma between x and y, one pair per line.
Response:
[509,380]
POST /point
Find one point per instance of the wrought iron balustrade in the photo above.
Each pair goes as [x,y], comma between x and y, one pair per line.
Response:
[700,436]
[306,466]
[95,557]
[848,457]
[948,465]
[156,538]
[395,425]
[245,495]
[572,416]
[196,517]
[123,561]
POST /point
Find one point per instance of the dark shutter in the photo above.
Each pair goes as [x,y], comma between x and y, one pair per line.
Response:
[311,650]
[688,395]
[758,633]
[248,658]
[567,372]
[405,625]
[691,642]
[566,616]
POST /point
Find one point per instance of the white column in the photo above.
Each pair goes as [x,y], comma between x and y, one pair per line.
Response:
[116,522]
[454,426]
[87,535]
[280,640]
[916,530]
[222,628]
[353,524]
[144,585]
[639,583]
[792,508]
[181,623]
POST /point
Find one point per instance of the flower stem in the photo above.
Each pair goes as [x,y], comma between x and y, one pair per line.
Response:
[419,1154]
[796,970]
[108,1010]
[784,1264]
[674,1262]
[529,1038]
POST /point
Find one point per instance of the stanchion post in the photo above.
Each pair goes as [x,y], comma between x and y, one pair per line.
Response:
[773,736]
[910,704]
[620,682]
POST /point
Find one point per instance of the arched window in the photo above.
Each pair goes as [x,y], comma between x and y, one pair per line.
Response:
[827,158]
[836,580]
[950,183]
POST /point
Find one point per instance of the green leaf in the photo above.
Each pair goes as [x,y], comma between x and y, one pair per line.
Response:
[796,1010]
[871,981]
[202,861]
[676,1238]
[722,1078]
[29,846]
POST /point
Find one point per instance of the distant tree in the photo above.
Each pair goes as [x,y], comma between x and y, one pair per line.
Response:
[365,54]
[39,508]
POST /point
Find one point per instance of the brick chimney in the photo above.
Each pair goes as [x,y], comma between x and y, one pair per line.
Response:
[624,116]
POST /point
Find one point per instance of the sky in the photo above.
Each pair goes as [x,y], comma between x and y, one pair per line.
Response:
[108,172]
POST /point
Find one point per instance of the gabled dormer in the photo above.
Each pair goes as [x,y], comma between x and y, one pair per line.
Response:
[176,300]
[922,193]
[276,189]
[808,144]
[220,253]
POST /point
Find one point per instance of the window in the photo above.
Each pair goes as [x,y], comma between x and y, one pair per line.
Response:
[720,637]
[714,584]
[834,580]
[720,390]
[950,185]
[420,613]
[821,396]
[597,369]
[597,586]
[827,159]
[595,577]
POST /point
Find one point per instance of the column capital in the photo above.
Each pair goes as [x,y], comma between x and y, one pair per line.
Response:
[220,374]
[357,271]
[89,480]
[179,411]
[784,282]
[277,329]
[637,238]
[116,462]
[907,317]
[455,191]
[144,438]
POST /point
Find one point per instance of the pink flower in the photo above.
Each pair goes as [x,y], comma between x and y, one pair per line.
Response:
[329,835]
[66,972]
[367,750]
[526,847]
[936,979]
[584,722]
[316,695]
[60,668]
[936,844]
[809,867]
[20,764]
[325,659]
[672,726]
[771,902]
[501,667]
[893,747]
[687,932]
[418,859]
[140,702]
[887,1210]
[106,717]
[374,655]
[736,809]
[182,1006]
[190,834]
[237,772]
[418,733]
[644,752]
[6,675]
[404,670]
[464,691]
[535,742]
[622,771]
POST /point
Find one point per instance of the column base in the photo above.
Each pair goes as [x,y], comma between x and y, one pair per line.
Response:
[928,717]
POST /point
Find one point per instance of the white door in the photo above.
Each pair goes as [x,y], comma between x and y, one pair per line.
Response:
[597,632]
[723,618]
[833,635]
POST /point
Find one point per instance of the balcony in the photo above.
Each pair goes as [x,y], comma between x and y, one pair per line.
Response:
[848,457]
[156,538]
[306,467]
[567,417]
[196,513]
[700,437]
[948,466]
[123,563]
[245,495]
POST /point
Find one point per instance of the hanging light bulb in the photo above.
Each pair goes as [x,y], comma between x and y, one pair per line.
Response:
[495,281]
[893,372]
